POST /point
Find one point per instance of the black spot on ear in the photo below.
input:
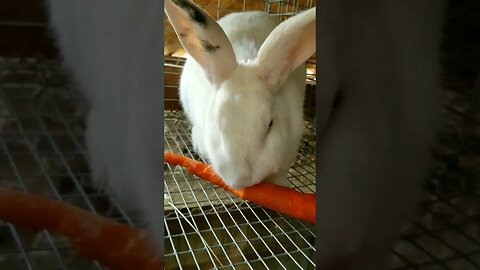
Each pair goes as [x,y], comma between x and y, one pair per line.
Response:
[209,47]
[182,34]
[195,14]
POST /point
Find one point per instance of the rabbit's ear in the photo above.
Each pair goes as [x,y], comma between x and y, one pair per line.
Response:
[203,39]
[289,45]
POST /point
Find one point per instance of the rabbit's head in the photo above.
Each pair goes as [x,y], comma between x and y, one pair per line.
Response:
[252,125]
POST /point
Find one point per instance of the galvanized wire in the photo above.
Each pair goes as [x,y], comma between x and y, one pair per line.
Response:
[42,152]
[268,240]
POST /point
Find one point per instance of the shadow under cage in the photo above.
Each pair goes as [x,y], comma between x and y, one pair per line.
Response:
[42,151]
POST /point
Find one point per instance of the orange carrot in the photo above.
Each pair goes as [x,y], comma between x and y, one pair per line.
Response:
[113,244]
[281,199]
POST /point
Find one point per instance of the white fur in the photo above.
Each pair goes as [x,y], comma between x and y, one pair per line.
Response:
[373,153]
[113,48]
[230,117]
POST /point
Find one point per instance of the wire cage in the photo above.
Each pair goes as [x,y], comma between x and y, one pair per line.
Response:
[42,151]
[206,227]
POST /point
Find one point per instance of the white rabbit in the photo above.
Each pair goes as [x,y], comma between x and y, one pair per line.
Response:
[113,48]
[243,87]
[373,149]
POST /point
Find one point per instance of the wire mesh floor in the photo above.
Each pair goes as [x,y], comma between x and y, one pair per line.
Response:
[42,151]
[240,235]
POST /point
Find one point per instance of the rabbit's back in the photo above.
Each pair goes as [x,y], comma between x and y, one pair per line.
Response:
[247,31]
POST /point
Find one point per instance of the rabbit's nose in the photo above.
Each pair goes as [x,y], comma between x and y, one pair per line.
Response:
[238,176]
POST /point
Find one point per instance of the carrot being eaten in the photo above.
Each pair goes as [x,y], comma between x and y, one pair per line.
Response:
[292,203]
[113,244]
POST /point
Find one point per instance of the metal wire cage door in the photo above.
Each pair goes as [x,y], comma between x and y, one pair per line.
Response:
[205,226]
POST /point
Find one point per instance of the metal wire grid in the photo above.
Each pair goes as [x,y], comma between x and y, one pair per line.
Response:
[241,235]
[42,152]
[446,232]
[222,231]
